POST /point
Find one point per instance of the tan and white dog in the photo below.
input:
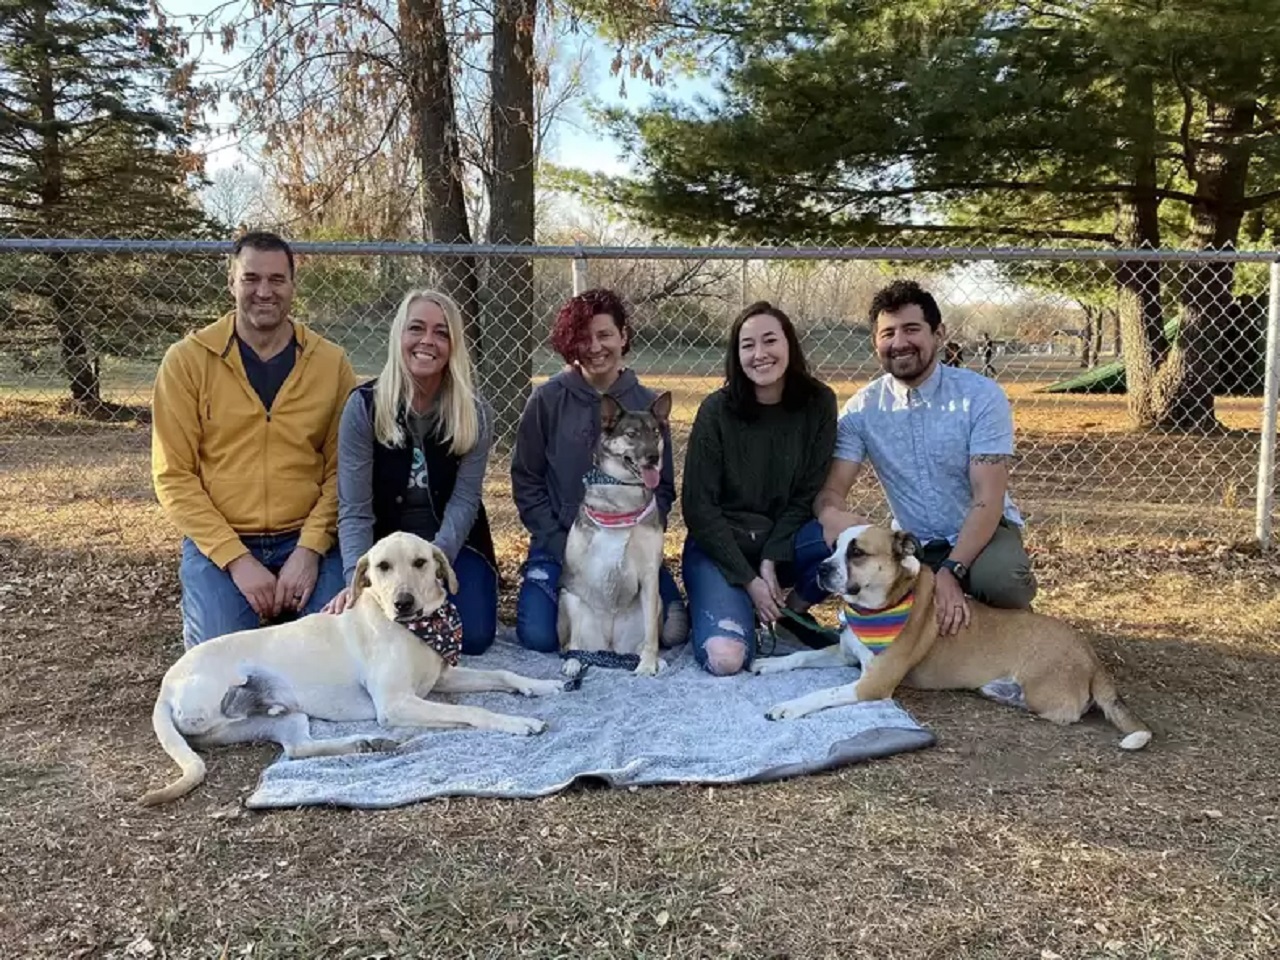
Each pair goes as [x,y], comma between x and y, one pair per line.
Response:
[876,569]
[362,664]
[609,601]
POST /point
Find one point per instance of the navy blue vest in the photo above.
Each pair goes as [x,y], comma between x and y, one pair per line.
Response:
[391,466]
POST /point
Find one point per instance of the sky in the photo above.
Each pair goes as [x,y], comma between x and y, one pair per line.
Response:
[574,141]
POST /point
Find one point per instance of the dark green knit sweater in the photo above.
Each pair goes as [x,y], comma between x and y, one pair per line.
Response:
[757,475]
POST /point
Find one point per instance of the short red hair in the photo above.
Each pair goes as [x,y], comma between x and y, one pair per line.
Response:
[574,319]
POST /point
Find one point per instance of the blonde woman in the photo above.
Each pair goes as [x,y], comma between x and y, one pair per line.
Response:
[412,450]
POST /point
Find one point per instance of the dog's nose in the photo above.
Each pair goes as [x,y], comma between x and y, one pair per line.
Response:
[852,589]
[404,603]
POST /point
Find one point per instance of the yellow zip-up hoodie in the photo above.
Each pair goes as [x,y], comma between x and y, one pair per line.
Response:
[223,466]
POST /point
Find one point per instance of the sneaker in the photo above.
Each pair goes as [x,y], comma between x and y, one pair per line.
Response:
[675,626]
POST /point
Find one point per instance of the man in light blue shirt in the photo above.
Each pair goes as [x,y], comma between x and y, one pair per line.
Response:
[940,440]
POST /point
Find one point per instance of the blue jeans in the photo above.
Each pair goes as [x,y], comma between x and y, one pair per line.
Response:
[718,608]
[476,600]
[538,603]
[212,605]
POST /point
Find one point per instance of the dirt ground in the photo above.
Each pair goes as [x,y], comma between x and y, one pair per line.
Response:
[1010,838]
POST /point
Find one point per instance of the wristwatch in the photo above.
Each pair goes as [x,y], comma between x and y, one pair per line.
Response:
[958,569]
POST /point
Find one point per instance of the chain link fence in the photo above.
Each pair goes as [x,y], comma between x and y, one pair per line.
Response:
[1089,345]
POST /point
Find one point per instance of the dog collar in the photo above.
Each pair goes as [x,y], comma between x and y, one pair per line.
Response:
[615,520]
[441,631]
[595,477]
[876,629]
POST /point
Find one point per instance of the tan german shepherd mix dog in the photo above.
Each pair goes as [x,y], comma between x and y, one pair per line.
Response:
[609,598]
[875,569]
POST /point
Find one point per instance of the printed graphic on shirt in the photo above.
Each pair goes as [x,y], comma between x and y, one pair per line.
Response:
[418,472]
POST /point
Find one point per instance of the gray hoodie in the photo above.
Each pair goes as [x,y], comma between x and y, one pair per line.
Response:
[554,447]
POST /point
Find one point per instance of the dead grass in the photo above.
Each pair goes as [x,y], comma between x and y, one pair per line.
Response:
[1011,838]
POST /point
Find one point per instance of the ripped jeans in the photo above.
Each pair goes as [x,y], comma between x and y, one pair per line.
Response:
[719,609]
[538,603]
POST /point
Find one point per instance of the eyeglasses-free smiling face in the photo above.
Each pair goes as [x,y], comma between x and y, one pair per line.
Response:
[262,285]
[600,350]
[425,341]
[907,348]
[764,353]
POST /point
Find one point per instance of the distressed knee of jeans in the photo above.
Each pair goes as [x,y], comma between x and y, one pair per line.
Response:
[540,579]
[725,655]
[732,626]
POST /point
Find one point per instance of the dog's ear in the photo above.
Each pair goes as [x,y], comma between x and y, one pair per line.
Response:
[610,411]
[360,579]
[444,570]
[661,407]
[906,550]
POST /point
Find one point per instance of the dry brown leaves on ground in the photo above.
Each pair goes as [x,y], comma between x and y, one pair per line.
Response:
[1011,838]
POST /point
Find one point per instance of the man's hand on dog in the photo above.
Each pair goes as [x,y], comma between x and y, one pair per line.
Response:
[297,579]
[949,604]
[256,582]
[836,522]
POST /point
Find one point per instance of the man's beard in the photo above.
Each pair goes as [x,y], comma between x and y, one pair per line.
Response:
[907,366]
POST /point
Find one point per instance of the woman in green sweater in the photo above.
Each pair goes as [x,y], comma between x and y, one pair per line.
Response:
[757,457]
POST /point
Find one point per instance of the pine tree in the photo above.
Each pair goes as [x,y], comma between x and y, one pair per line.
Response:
[95,123]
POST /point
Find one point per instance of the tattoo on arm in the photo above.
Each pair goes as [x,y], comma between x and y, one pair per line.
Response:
[979,504]
[991,458]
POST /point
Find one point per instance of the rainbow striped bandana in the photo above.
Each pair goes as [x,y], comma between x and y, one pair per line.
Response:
[876,629]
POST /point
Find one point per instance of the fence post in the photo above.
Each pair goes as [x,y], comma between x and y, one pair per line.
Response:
[1271,393]
[579,272]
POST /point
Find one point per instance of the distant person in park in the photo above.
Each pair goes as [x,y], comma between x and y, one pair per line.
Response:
[954,354]
[756,458]
[244,453]
[412,451]
[988,356]
[555,443]
[940,439]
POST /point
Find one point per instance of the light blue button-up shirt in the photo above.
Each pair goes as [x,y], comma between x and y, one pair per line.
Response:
[919,441]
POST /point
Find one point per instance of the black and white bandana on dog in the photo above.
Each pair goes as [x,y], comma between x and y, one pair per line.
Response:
[441,631]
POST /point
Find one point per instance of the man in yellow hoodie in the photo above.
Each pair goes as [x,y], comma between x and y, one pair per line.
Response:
[244,453]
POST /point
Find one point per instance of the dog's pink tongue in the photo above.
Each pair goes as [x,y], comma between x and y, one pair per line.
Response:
[650,477]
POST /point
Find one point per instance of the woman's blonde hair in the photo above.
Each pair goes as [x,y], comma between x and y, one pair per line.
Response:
[458,422]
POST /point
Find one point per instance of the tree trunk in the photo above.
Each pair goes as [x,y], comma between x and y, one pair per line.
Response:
[511,211]
[424,51]
[78,363]
[1184,390]
[1086,335]
[1141,318]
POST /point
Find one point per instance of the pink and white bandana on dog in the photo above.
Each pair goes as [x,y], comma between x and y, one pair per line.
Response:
[441,630]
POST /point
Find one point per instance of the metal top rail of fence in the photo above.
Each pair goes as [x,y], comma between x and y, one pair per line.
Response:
[88,319]
[900,254]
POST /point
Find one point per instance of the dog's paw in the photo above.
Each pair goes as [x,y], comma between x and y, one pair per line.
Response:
[573,667]
[523,726]
[784,711]
[541,688]
[765,665]
[379,745]
[650,667]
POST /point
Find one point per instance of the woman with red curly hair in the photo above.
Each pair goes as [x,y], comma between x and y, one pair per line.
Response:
[554,447]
